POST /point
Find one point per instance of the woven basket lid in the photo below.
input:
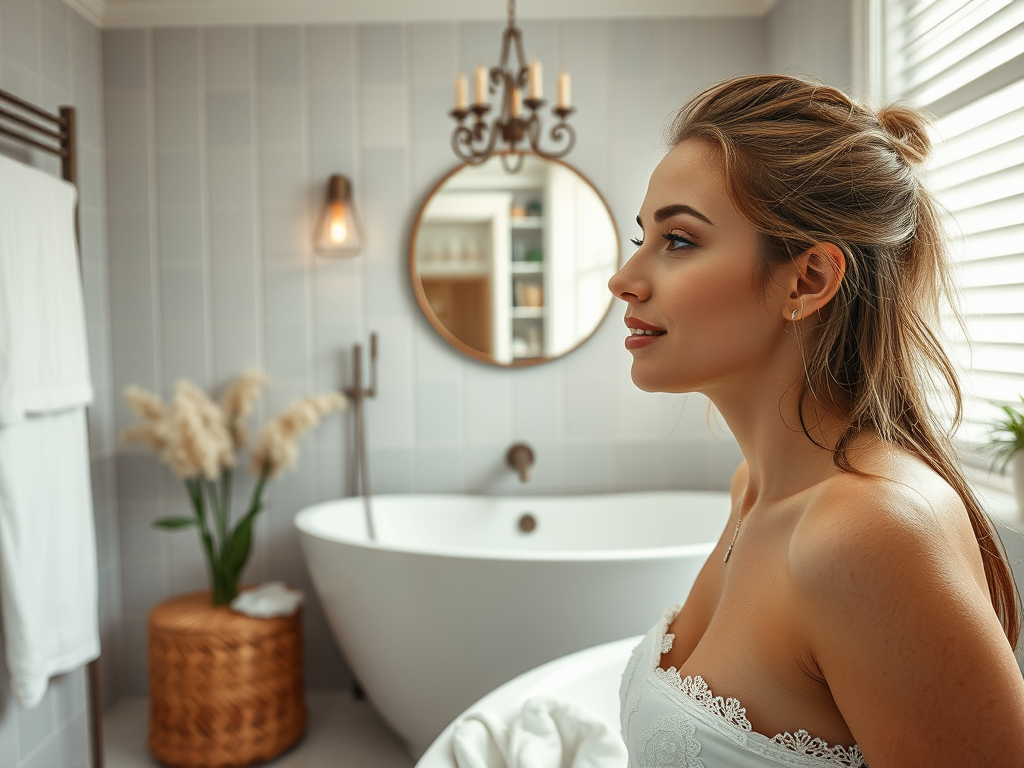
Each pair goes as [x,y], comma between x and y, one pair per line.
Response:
[195,613]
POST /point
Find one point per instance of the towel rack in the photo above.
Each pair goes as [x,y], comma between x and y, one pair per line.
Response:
[27,124]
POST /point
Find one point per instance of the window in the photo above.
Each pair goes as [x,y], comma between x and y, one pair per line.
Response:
[963,61]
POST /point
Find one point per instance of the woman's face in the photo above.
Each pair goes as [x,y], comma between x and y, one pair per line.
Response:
[693,282]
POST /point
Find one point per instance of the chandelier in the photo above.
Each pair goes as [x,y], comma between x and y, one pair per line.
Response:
[476,141]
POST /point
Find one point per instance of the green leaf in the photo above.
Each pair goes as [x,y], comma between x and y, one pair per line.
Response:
[237,550]
[175,522]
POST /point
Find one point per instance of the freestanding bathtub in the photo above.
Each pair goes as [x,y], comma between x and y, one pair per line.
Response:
[454,598]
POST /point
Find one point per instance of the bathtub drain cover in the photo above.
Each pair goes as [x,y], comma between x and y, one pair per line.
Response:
[527,523]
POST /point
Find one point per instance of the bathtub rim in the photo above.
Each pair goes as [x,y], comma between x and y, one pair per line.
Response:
[705,548]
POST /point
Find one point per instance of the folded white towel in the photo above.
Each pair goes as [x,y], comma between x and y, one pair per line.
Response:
[547,733]
[47,551]
[44,361]
[274,598]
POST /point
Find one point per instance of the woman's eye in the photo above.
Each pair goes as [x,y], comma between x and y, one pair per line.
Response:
[677,242]
[637,241]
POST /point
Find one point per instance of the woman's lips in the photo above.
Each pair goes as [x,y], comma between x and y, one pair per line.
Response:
[635,342]
[641,333]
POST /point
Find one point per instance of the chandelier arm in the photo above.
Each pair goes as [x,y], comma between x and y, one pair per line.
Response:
[561,131]
[464,139]
[512,168]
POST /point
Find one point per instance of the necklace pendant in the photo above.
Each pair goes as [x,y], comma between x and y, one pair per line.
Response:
[727,553]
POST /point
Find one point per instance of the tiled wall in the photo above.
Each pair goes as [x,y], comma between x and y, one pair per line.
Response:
[51,56]
[219,145]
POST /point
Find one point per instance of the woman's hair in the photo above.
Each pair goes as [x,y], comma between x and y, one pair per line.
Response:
[804,164]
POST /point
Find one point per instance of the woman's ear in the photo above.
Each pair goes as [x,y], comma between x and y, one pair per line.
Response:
[815,278]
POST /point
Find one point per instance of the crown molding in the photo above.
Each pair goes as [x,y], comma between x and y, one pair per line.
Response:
[175,13]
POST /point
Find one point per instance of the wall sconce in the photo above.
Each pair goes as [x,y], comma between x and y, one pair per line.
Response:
[339,232]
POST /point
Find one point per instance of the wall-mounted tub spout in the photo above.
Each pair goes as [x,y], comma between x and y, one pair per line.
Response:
[520,458]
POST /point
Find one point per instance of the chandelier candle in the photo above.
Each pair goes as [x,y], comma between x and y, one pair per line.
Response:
[536,81]
[461,92]
[480,95]
[563,90]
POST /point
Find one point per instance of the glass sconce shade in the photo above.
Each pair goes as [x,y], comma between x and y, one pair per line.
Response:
[339,232]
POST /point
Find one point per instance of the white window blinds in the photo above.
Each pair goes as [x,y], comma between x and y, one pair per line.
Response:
[963,61]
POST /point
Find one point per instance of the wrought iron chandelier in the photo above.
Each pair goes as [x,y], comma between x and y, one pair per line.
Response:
[476,141]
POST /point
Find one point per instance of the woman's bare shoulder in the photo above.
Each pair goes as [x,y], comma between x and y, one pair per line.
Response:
[888,582]
[899,506]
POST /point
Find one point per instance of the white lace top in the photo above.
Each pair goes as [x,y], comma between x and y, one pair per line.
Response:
[673,722]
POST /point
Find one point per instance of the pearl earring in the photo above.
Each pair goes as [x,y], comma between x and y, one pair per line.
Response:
[792,315]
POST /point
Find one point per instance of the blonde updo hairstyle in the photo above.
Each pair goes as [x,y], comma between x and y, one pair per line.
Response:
[805,164]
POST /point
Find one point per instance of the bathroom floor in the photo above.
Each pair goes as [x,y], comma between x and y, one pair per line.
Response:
[342,731]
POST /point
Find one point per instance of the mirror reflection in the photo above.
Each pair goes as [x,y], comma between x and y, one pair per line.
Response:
[512,268]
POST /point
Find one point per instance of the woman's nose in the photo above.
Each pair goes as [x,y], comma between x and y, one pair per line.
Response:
[629,284]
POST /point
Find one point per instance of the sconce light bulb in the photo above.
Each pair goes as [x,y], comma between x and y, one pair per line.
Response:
[339,231]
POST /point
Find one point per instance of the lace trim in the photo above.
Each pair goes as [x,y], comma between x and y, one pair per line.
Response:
[695,688]
[731,711]
[802,743]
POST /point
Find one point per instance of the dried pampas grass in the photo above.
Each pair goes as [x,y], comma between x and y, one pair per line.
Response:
[197,437]
[237,403]
[277,448]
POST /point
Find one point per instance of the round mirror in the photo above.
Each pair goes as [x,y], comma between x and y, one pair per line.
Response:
[513,268]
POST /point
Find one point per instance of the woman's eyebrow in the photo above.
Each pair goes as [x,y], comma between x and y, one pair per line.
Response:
[674,210]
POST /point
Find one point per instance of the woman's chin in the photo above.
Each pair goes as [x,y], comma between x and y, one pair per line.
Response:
[653,383]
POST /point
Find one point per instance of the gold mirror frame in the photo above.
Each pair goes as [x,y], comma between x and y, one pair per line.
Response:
[442,330]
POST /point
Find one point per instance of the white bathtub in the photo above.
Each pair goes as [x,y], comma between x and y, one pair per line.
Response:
[453,599]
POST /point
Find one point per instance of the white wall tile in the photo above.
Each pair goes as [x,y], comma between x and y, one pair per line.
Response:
[180,237]
[231,236]
[280,117]
[127,120]
[278,56]
[178,124]
[536,403]
[438,413]
[487,406]
[20,33]
[283,182]
[384,110]
[53,39]
[588,467]
[124,58]
[128,183]
[229,119]
[176,59]
[236,347]
[179,181]
[390,470]
[381,53]
[438,470]
[331,56]
[35,725]
[432,55]
[231,181]
[228,57]
[287,349]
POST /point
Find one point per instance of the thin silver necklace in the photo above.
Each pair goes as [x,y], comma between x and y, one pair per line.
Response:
[739,519]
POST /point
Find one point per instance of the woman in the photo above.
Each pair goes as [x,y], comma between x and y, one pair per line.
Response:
[858,603]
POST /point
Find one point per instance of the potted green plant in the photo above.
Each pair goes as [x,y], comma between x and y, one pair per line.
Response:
[1008,447]
[198,439]
[226,689]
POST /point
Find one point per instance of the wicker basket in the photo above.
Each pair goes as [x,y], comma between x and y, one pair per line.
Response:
[225,690]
